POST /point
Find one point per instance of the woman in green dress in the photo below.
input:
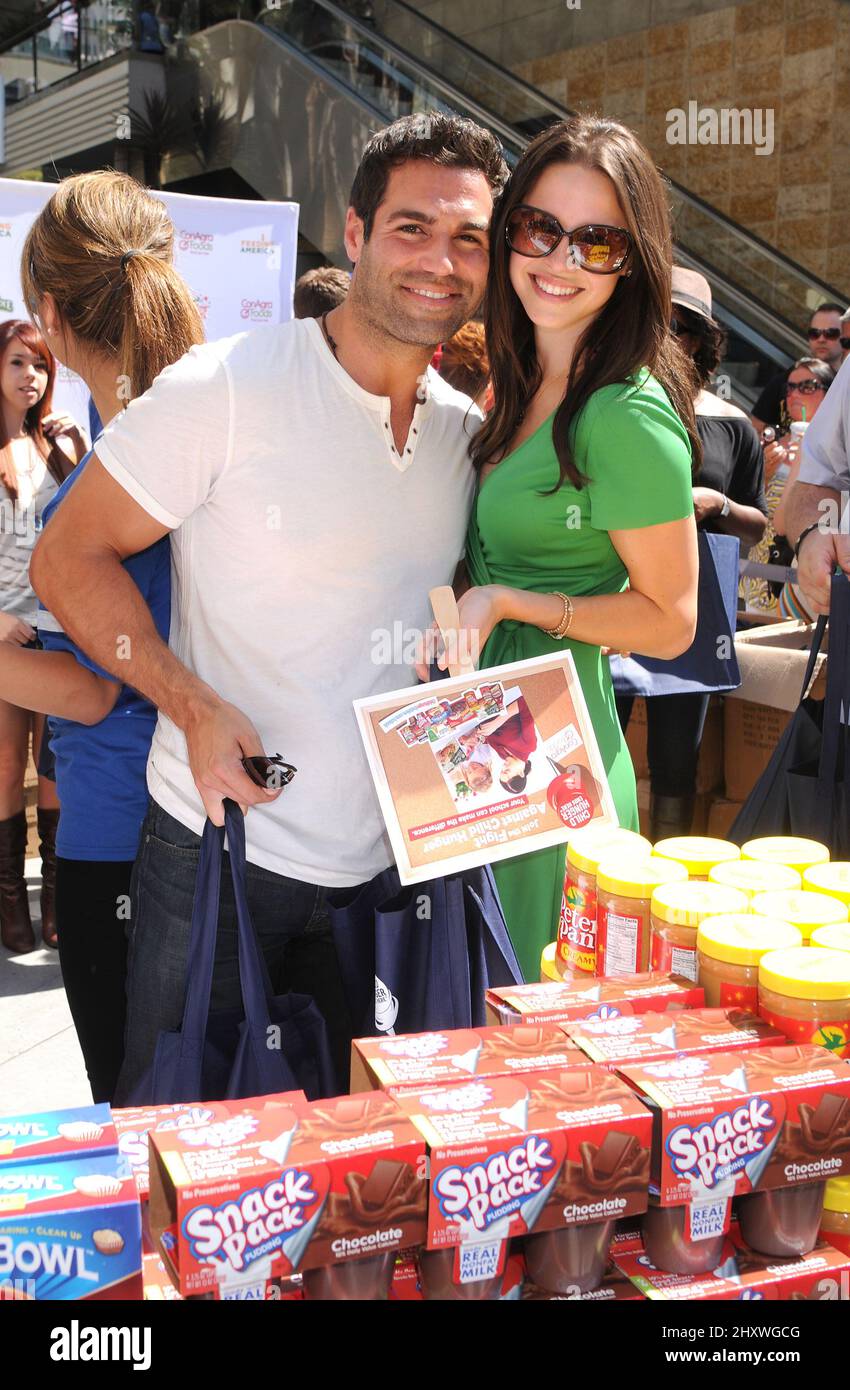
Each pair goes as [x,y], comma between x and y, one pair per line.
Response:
[583,533]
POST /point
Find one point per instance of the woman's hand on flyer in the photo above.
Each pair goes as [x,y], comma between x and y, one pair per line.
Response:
[57,423]
[15,630]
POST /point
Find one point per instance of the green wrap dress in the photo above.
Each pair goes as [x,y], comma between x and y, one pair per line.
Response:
[634,451]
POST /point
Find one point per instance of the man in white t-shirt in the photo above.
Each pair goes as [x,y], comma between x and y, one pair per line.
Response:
[316,482]
[816,513]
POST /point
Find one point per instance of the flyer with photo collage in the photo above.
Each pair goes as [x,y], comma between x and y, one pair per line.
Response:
[486,766]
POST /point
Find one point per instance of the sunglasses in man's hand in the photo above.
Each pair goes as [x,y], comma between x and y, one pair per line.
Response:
[269,771]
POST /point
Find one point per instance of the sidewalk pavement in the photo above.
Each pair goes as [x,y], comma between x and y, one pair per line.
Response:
[41,1066]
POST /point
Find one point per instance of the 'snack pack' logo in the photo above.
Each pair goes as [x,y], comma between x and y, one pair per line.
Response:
[486,1192]
[723,1146]
[259,1219]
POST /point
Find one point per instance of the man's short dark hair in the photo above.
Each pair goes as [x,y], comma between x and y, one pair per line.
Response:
[828,308]
[453,142]
[320,290]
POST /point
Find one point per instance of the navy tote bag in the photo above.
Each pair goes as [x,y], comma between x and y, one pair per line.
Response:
[421,957]
[269,1044]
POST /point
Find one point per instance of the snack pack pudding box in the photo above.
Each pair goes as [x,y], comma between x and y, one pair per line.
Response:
[823,1274]
[599,998]
[726,1124]
[651,1037]
[134,1124]
[508,1156]
[440,1059]
[259,1194]
[70,1226]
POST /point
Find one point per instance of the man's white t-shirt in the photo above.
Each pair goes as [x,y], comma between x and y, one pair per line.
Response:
[303,549]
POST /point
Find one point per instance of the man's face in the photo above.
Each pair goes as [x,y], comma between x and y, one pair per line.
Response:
[422,273]
[826,349]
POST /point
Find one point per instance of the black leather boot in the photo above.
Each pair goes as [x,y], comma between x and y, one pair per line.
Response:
[16,931]
[47,823]
[670,815]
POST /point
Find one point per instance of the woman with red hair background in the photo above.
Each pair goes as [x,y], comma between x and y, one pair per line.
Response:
[38,449]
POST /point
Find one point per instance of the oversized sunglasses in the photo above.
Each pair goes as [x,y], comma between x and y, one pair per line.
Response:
[807,387]
[603,250]
[270,772]
[833,334]
[679,326]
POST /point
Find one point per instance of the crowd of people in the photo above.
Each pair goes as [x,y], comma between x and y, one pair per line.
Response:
[560,462]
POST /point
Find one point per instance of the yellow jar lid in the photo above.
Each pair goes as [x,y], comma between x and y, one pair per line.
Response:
[806,972]
[698,853]
[752,877]
[548,968]
[786,849]
[805,910]
[686,904]
[742,939]
[832,878]
[638,878]
[835,937]
[836,1195]
[588,847]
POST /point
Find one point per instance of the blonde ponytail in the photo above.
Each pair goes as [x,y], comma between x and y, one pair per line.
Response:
[103,248]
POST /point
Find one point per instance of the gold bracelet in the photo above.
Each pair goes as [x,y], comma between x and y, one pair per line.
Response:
[563,627]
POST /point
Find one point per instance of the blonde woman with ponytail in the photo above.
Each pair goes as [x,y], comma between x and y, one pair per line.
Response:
[98,278]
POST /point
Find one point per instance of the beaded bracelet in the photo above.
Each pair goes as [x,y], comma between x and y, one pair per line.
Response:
[563,627]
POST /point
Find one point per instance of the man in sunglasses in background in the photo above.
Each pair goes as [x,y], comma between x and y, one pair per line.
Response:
[824,335]
[316,481]
[844,340]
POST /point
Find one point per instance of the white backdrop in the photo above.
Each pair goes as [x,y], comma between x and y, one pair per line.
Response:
[236,256]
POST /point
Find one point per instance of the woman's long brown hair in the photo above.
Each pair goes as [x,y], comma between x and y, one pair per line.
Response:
[632,330]
[58,463]
[141,313]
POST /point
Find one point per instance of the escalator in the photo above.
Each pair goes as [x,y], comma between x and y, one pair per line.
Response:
[297,93]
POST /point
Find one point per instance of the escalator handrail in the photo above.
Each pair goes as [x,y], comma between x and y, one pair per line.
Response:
[509,137]
[560,112]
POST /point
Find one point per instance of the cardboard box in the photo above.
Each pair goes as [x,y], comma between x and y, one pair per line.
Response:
[259,1194]
[742,1274]
[752,733]
[70,1228]
[133,1125]
[727,1123]
[617,1042]
[439,1059]
[721,816]
[710,762]
[57,1133]
[596,998]
[509,1156]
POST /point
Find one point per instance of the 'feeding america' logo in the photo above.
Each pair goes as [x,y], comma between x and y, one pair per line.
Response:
[5,229]
[202,304]
[715,1150]
[258,246]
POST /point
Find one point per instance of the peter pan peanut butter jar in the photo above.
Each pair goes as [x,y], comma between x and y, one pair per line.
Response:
[676,911]
[624,891]
[834,938]
[797,853]
[577,925]
[751,876]
[832,878]
[804,910]
[698,853]
[805,993]
[729,949]
[835,1222]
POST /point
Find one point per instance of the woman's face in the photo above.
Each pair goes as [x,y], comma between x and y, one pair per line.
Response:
[807,400]
[23,376]
[554,291]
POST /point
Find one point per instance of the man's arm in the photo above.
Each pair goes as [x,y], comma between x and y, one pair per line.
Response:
[77,572]
[823,548]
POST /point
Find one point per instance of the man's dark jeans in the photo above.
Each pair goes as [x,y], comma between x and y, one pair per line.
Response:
[292,926]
